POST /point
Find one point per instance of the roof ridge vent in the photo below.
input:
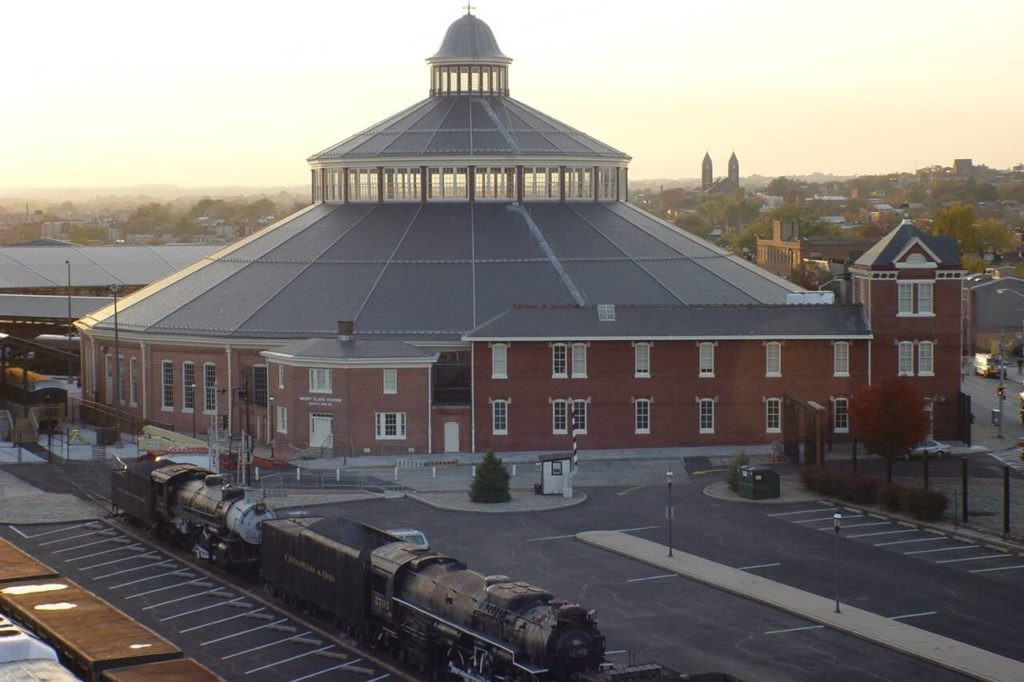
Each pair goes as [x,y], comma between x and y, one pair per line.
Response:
[606,312]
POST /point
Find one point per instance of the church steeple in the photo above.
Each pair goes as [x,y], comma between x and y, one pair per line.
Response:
[707,176]
[469,61]
[734,170]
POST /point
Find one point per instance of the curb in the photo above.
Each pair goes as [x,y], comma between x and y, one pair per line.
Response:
[481,508]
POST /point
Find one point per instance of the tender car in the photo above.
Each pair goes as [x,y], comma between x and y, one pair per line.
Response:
[412,536]
[932,447]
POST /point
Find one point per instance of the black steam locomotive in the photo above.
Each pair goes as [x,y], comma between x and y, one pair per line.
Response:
[422,607]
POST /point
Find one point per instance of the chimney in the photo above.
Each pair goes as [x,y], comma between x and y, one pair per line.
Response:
[344,330]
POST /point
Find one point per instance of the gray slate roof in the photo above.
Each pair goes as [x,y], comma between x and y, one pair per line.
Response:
[48,307]
[23,267]
[686,322]
[469,39]
[437,270]
[885,251]
[334,349]
[468,126]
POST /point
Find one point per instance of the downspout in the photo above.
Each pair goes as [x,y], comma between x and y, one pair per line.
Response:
[472,397]
[145,365]
[231,393]
[430,410]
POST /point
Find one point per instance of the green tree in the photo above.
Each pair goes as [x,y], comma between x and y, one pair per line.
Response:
[693,224]
[85,235]
[781,187]
[889,418]
[972,262]
[989,236]
[490,484]
[151,218]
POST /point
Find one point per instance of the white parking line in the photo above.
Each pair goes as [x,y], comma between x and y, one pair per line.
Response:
[202,608]
[799,511]
[15,529]
[652,577]
[264,646]
[88,544]
[222,620]
[806,627]
[907,542]
[106,551]
[165,562]
[552,537]
[861,525]
[941,549]
[379,677]
[293,658]
[328,670]
[975,558]
[63,529]
[914,615]
[748,568]
[243,632]
[884,532]
[166,587]
[1001,568]
[143,580]
[117,561]
[70,537]
[175,601]
[823,518]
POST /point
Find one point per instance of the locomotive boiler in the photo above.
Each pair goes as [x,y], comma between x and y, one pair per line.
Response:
[194,507]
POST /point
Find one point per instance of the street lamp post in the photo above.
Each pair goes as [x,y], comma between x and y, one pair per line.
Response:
[270,419]
[837,522]
[115,288]
[668,510]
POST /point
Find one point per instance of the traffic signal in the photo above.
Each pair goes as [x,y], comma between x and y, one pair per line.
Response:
[1001,391]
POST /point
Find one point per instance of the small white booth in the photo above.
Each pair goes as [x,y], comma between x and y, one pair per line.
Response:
[556,475]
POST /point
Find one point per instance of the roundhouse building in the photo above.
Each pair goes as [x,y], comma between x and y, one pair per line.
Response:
[470,276]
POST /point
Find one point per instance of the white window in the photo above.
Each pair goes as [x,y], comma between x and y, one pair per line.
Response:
[362,184]
[924,298]
[209,388]
[906,298]
[559,417]
[642,408]
[541,183]
[499,361]
[773,359]
[495,183]
[188,386]
[642,365]
[390,425]
[282,419]
[499,417]
[280,376]
[841,359]
[906,368]
[579,183]
[447,183]
[558,367]
[707,359]
[916,298]
[842,416]
[579,361]
[707,415]
[167,386]
[319,380]
[773,415]
[926,359]
[402,184]
[579,416]
[390,381]
[133,381]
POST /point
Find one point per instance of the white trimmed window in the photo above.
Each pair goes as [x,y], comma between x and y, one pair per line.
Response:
[579,416]
[707,359]
[642,415]
[773,415]
[926,359]
[133,381]
[579,361]
[915,298]
[841,359]
[906,359]
[390,381]
[559,417]
[499,361]
[707,415]
[280,376]
[209,388]
[642,361]
[906,298]
[773,359]
[499,417]
[188,386]
[924,298]
[282,419]
[447,183]
[842,415]
[362,184]
[541,183]
[319,380]
[558,360]
[390,425]
[167,385]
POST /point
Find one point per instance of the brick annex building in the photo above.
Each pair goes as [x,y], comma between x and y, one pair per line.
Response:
[470,276]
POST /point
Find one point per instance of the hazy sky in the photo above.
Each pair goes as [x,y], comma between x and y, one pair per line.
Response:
[240,93]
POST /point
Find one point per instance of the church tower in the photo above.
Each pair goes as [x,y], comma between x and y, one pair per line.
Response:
[734,170]
[706,173]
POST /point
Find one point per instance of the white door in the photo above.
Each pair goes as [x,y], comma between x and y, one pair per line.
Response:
[321,431]
[451,436]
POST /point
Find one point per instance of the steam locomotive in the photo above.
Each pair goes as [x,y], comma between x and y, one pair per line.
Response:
[422,607]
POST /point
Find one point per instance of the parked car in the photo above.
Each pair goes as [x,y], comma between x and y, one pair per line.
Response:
[412,536]
[986,365]
[932,447]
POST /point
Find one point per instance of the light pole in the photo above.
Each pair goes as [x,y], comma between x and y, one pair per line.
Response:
[668,510]
[270,419]
[192,389]
[837,522]
[115,288]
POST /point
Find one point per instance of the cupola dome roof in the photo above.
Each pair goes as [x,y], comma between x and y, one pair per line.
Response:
[469,39]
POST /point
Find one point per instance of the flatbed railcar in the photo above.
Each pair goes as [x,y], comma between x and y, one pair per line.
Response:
[90,634]
[182,670]
[16,565]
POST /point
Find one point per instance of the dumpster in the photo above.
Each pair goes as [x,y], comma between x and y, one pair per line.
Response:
[757,483]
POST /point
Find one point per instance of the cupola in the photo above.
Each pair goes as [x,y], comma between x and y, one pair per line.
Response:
[469,61]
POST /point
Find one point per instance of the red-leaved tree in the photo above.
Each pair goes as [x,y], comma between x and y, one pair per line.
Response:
[888,418]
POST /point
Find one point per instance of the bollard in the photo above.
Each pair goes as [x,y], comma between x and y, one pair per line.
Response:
[474,471]
[298,473]
[257,474]
[396,472]
[513,469]
[433,472]
[337,475]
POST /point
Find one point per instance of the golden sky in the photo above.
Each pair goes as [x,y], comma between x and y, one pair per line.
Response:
[223,92]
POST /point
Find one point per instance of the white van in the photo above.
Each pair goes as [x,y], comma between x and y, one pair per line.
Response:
[986,365]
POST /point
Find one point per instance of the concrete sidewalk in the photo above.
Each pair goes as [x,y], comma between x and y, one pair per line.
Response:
[943,651]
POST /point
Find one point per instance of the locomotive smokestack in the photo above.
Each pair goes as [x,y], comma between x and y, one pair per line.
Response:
[344,330]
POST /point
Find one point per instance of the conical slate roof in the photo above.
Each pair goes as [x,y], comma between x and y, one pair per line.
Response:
[469,39]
